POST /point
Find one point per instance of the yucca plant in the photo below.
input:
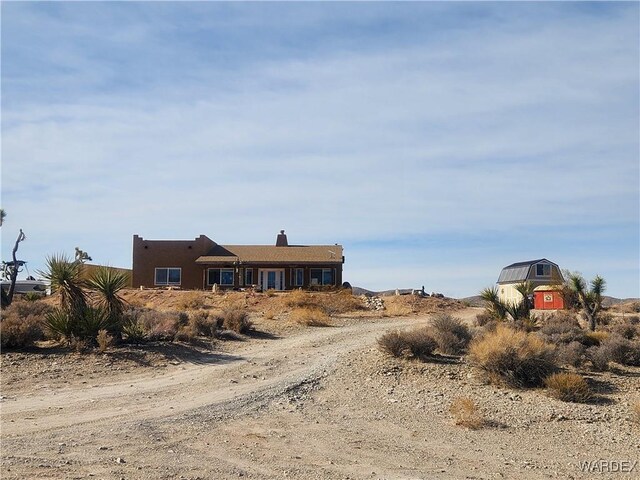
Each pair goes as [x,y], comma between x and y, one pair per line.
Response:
[590,299]
[92,320]
[497,308]
[65,277]
[59,323]
[108,283]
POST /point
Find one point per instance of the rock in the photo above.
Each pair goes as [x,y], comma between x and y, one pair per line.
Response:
[120,460]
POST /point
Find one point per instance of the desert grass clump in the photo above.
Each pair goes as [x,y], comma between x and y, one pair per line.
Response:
[466,413]
[595,338]
[513,357]
[104,340]
[450,333]
[568,387]
[235,319]
[417,343]
[394,307]
[192,300]
[310,316]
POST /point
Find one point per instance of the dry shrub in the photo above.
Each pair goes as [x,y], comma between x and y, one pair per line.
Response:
[161,325]
[483,319]
[201,323]
[562,327]
[332,303]
[235,319]
[192,300]
[595,338]
[22,324]
[450,333]
[625,329]
[310,316]
[466,413]
[393,343]
[513,357]
[571,354]
[342,301]
[418,343]
[104,340]
[395,308]
[568,387]
[620,350]
[299,298]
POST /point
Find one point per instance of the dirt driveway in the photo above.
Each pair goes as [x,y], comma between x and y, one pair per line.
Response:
[318,403]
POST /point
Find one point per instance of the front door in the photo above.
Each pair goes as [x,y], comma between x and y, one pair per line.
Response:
[271,279]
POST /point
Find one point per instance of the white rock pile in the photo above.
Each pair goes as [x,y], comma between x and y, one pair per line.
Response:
[373,303]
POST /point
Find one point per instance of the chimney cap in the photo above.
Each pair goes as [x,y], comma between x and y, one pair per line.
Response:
[282,232]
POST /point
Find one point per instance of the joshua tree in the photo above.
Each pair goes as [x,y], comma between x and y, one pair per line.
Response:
[590,299]
[11,270]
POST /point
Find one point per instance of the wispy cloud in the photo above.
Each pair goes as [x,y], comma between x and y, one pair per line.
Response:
[422,138]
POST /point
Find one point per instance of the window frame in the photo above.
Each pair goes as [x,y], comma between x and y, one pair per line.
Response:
[167,283]
[545,266]
[322,274]
[248,272]
[220,270]
[298,282]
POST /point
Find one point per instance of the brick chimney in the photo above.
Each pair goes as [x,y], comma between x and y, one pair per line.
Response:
[281,241]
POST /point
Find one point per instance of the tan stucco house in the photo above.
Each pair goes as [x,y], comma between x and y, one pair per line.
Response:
[202,263]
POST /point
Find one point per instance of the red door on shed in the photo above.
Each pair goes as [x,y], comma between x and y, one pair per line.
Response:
[548,300]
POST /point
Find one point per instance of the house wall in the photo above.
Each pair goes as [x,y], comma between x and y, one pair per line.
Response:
[151,254]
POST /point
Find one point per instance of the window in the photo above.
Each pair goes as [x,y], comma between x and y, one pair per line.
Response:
[248,276]
[220,276]
[298,277]
[543,270]
[321,276]
[168,276]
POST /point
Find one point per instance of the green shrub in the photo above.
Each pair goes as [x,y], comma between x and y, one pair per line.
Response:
[451,335]
[513,357]
[568,387]
[132,328]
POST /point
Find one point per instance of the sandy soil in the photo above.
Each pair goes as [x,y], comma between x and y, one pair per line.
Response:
[301,403]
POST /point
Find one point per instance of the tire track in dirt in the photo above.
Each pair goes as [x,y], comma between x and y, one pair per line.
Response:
[256,371]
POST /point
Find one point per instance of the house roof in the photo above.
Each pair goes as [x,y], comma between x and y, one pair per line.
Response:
[519,272]
[271,254]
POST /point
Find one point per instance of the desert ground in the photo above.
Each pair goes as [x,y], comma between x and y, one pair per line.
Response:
[291,401]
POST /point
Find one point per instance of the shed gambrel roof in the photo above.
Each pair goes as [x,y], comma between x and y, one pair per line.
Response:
[519,272]
[263,254]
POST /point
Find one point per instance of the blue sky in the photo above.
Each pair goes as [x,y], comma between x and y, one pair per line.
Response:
[438,142]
